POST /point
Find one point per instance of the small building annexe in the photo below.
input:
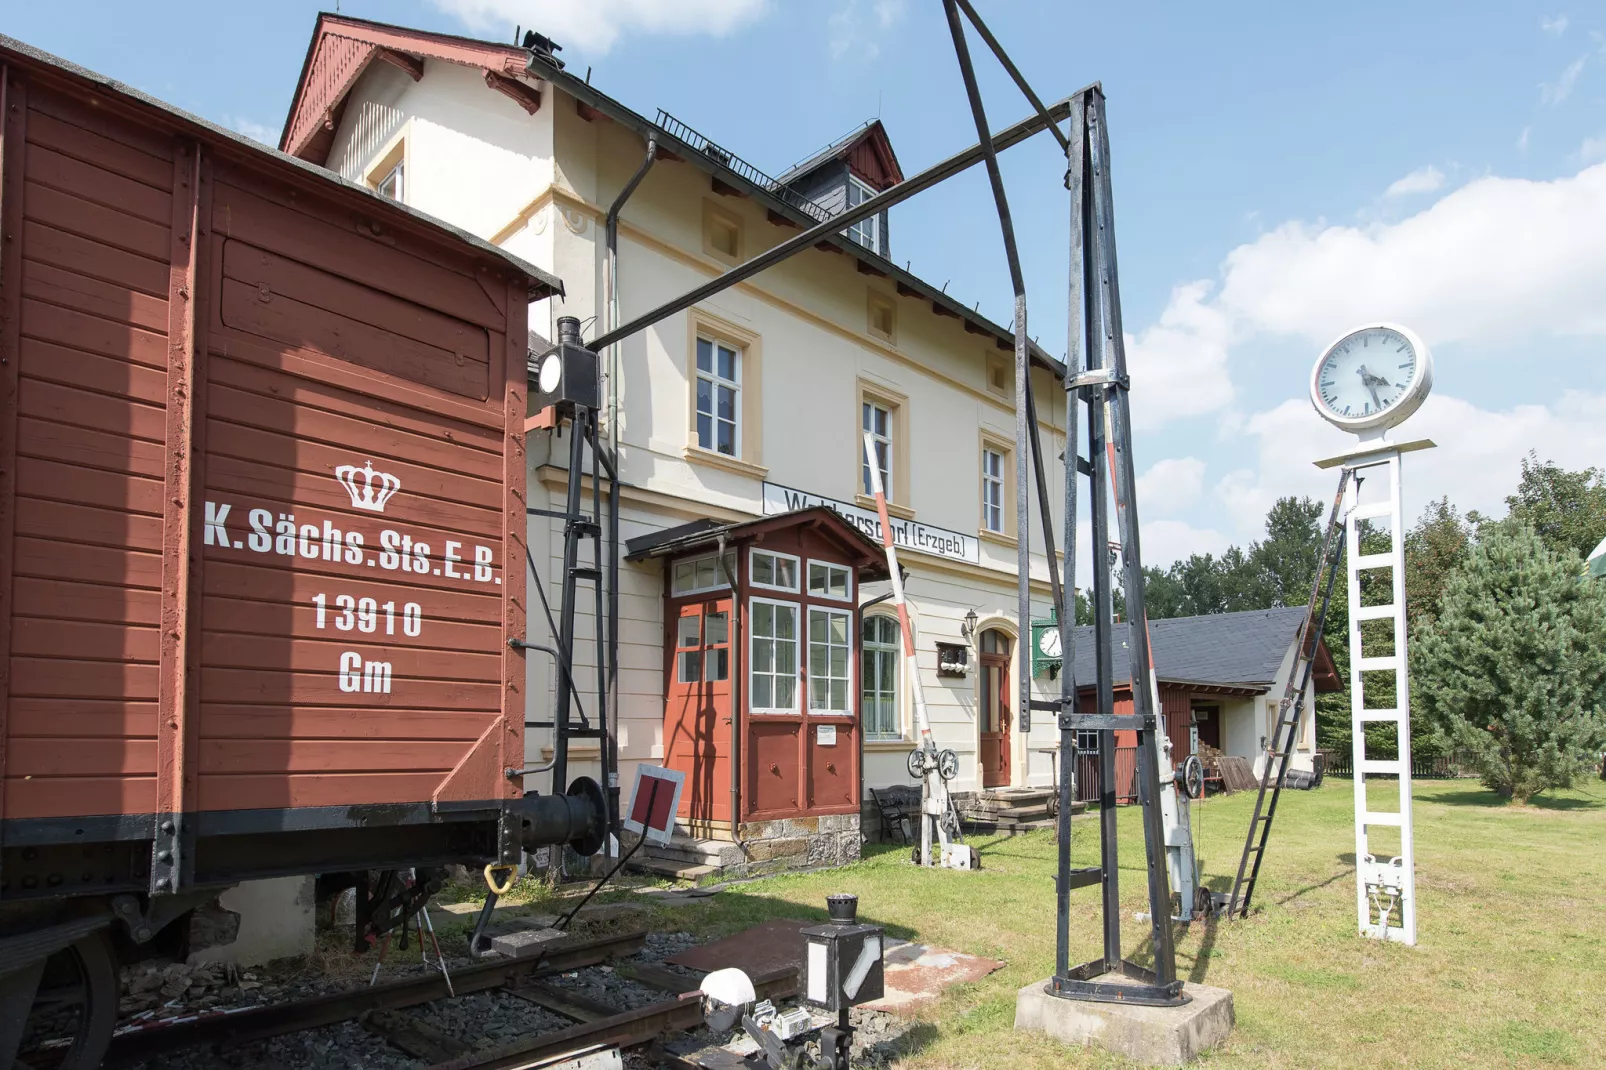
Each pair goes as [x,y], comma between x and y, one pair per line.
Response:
[739,425]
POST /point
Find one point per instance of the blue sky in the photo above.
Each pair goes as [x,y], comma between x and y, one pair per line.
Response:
[1282,171]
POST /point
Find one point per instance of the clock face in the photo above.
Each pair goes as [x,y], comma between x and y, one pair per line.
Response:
[1049,642]
[1371,377]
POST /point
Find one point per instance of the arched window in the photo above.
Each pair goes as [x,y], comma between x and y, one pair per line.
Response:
[878,672]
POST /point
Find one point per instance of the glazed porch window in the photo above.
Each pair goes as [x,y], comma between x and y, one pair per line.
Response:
[830,660]
[772,679]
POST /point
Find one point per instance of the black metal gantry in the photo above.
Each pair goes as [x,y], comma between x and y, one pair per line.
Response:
[1098,380]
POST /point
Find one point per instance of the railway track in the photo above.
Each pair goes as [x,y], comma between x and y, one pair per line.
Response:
[382,1009]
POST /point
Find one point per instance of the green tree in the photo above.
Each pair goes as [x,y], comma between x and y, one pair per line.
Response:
[1513,671]
[1567,509]
[1284,563]
[1440,543]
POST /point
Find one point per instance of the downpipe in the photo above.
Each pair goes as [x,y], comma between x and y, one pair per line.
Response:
[610,280]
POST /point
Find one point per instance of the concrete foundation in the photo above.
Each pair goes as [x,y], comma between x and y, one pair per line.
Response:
[276,922]
[1154,1036]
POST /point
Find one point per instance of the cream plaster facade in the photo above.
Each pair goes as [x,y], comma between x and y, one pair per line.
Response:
[539,186]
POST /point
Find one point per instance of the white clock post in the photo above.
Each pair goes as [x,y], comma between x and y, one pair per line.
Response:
[1367,382]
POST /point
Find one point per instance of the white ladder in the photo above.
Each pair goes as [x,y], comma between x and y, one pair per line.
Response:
[1385,888]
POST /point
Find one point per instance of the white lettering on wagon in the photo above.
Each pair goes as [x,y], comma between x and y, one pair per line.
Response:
[279,535]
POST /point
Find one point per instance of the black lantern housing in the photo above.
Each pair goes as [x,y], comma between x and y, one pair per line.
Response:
[843,966]
[567,375]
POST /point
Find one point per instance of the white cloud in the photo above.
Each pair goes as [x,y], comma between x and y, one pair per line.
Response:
[1477,461]
[855,27]
[1180,363]
[1166,541]
[595,25]
[1522,139]
[1422,180]
[1170,486]
[1555,26]
[1562,88]
[268,135]
[1493,259]
[1593,150]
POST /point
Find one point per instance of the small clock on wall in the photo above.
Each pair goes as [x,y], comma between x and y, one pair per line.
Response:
[1372,378]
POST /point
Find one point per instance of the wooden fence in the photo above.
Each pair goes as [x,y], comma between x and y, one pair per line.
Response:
[1423,767]
[1126,781]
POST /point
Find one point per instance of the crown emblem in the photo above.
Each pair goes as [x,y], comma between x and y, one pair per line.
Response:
[369,489]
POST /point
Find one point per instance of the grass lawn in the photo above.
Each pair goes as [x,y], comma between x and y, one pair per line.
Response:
[1510,969]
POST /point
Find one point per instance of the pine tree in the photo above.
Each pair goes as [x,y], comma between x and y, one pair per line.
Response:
[1513,671]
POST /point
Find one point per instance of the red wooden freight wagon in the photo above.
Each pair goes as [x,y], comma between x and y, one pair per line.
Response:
[261,523]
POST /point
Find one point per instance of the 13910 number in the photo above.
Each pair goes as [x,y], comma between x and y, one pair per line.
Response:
[363,615]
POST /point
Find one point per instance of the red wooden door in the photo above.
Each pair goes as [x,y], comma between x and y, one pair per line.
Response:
[995,709]
[697,708]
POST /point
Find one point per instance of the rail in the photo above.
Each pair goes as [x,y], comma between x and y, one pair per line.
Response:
[735,164]
[256,1023]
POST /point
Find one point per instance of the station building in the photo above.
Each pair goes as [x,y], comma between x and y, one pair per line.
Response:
[739,426]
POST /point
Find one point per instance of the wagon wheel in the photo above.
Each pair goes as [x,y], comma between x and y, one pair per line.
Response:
[77,997]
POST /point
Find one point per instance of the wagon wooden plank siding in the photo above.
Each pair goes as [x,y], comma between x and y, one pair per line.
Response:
[262,473]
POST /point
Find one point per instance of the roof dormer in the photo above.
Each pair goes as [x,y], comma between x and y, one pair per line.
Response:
[848,172]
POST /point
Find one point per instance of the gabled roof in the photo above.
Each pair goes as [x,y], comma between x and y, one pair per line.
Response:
[1241,651]
[706,534]
[342,48]
[541,283]
[868,152]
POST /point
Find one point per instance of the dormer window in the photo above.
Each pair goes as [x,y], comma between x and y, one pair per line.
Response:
[867,232]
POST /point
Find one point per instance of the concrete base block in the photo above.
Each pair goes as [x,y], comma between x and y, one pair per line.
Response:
[1154,1036]
[276,922]
[525,943]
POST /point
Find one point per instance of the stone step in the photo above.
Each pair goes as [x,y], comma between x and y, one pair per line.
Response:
[695,852]
[669,867]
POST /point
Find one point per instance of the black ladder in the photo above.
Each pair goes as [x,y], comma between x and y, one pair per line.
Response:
[1286,731]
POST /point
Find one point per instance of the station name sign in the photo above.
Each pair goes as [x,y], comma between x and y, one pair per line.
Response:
[907,534]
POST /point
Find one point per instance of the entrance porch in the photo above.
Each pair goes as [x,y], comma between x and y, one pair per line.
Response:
[761,689]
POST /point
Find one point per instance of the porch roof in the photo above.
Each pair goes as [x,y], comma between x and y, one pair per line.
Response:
[869,558]
[1222,652]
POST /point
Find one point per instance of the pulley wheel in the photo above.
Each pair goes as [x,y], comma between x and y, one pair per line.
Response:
[947,764]
[916,763]
[1192,777]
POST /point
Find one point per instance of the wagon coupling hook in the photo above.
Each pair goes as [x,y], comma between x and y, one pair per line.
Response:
[490,878]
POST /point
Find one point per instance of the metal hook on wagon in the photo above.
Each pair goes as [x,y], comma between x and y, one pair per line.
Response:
[490,878]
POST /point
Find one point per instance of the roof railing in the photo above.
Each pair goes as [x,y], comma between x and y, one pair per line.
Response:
[736,165]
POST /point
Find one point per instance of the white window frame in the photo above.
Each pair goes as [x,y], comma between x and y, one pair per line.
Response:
[993,483]
[848,646]
[887,440]
[720,585]
[715,381]
[895,651]
[399,173]
[799,641]
[752,573]
[866,232]
[809,580]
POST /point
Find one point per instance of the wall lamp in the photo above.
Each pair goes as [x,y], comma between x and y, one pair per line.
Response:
[967,627]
